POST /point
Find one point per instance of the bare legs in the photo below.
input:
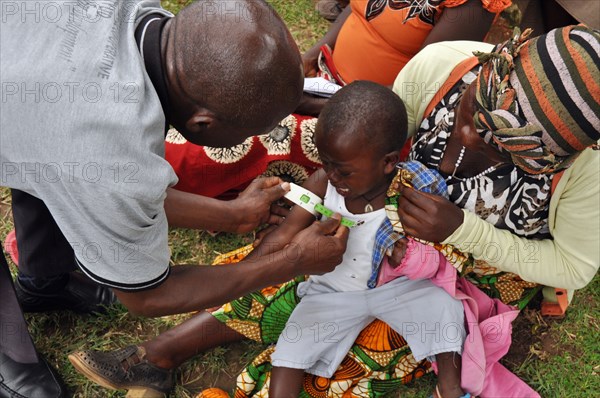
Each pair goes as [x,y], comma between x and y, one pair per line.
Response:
[286,382]
[198,334]
[449,367]
[203,332]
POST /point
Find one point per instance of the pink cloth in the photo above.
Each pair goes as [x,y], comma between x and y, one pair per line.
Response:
[488,323]
[10,246]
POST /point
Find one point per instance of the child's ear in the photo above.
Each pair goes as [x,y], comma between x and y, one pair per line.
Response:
[390,161]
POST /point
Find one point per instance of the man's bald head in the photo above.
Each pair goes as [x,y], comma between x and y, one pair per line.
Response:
[234,60]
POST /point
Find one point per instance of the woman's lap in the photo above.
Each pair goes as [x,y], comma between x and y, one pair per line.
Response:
[378,362]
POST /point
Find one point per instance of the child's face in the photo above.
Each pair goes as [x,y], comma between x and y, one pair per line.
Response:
[353,165]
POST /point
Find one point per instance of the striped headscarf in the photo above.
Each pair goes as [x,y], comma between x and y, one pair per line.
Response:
[539,99]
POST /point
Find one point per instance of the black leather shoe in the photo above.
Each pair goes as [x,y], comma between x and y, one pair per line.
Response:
[21,380]
[80,294]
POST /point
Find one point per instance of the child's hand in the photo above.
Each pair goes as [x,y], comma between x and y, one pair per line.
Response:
[260,235]
[398,253]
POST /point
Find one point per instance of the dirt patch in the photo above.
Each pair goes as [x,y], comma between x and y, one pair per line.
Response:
[219,369]
[534,337]
[523,338]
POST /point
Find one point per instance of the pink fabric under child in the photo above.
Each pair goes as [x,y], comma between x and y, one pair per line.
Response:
[488,322]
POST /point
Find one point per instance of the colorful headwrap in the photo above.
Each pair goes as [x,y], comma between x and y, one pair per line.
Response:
[539,99]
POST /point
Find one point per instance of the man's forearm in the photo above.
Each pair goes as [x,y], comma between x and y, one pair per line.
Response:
[314,250]
[186,210]
[197,287]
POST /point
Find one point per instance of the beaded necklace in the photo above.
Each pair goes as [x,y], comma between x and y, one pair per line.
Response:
[461,155]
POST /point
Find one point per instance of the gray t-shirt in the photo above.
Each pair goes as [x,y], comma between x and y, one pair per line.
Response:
[82,130]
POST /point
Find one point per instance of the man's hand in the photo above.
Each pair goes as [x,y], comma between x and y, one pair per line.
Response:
[319,248]
[255,207]
[314,250]
[427,216]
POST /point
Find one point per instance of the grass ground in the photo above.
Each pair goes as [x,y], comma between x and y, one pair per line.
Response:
[557,358]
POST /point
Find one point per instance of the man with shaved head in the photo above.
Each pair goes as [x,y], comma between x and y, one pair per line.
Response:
[230,63]
[89,89]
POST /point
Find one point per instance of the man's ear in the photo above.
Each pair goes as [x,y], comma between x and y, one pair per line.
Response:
[200,120]
[390,161]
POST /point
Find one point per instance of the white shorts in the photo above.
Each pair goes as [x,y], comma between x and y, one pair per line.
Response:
[325,324]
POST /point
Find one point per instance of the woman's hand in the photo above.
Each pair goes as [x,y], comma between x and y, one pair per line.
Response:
[427,216]
[309,61]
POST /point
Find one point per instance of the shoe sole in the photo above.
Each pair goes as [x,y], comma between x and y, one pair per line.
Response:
[135,392]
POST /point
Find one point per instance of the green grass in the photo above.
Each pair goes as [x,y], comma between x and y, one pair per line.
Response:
[557,358]
[564,360]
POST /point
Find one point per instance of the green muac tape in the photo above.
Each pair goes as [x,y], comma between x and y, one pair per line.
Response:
[328,213]
[313,204]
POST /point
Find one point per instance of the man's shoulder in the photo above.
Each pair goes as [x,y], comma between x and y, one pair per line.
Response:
[146,7]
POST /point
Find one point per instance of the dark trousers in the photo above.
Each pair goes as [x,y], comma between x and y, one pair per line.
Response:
[43,249]
[15,340]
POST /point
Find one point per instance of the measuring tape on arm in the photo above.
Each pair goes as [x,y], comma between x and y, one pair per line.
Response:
[313,204]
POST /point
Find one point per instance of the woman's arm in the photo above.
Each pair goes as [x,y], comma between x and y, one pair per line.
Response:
[310,104]
[309,58]
[569,260]
[469,21]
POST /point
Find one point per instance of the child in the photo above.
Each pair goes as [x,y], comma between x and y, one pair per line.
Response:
[359,136]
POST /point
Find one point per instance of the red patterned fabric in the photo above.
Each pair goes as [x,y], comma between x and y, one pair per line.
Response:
[288,151]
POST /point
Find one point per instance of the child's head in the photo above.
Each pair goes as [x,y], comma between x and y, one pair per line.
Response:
[359,135]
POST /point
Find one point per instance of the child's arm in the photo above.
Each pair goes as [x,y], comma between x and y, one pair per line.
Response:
[411,259]
[398,252]
[297,220]
[414,260]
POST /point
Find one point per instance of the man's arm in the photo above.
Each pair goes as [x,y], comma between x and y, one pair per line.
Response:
[314,250]
[296,221]
[243,214]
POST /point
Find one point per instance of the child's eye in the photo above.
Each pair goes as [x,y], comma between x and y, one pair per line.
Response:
[344,173]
